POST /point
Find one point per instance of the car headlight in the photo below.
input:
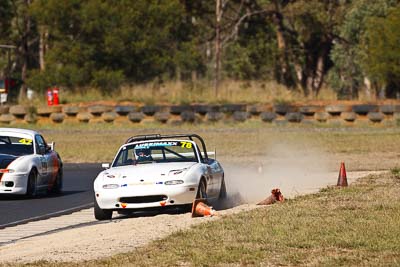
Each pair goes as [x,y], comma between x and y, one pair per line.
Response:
[173,182]
[110,186]
[7,170]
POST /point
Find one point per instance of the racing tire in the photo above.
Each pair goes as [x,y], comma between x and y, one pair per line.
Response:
[222,191]
[58,183]
[202,190]
[31,189]
[101,214]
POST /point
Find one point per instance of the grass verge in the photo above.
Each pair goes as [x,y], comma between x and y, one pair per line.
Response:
[362,148]
[354,226]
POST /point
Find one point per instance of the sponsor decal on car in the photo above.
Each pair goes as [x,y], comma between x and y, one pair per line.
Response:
[155,144]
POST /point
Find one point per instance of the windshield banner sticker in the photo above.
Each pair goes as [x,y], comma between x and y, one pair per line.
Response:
[155,144]
[25,141]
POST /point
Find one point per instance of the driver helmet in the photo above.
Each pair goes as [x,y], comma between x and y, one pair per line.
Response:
[143,152]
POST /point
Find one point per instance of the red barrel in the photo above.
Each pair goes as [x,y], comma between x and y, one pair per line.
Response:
[49,97]
[56,100]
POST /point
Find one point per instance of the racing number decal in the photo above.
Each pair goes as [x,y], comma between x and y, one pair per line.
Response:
[186,144]
[25,141]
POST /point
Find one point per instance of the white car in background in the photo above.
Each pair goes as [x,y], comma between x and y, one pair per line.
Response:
[151,171]
[27,164]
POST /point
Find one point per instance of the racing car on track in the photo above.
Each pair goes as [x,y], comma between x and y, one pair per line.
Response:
[27,164]
[151,171]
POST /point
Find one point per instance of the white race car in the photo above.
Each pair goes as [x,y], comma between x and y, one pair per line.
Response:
[27,164]
[157,171]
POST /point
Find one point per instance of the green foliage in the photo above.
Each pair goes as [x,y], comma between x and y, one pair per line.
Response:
[107,80]
[348,72]
[382,49]
[106,43]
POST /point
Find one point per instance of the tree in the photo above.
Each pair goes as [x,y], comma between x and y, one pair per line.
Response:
[347,75]
[382,52]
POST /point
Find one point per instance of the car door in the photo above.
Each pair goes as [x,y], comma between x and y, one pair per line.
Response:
[44,158]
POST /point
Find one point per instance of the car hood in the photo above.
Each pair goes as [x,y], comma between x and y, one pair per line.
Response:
[146,172]
[6,159]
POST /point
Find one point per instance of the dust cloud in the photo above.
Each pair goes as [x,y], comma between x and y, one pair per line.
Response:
[294,169]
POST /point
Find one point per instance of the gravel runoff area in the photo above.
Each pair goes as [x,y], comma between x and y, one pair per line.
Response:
[99,240]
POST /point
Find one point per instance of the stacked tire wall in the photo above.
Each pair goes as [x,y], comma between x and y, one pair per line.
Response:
[280,114]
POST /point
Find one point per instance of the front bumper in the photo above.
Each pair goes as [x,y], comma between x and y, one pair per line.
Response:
[153,196]
[14,183]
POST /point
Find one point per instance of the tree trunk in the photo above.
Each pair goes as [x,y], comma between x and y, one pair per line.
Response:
[44,33]
[318,78]
[25,52]
[217,47]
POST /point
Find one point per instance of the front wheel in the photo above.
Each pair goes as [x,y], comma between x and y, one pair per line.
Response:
[101,214]
[31,190]
[202,190]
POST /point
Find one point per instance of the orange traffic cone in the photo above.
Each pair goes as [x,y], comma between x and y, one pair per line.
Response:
[200,209]
[342,180]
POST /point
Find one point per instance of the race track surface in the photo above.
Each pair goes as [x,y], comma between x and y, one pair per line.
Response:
[77,194]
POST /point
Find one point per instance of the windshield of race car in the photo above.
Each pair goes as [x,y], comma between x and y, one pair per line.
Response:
[17,146]
[156,151]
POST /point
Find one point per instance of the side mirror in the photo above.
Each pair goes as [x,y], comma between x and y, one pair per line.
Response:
[105,165]
[52,145]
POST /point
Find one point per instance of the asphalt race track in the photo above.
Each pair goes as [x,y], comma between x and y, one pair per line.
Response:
[77,194]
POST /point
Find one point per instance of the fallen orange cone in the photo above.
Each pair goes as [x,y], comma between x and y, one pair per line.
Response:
[275,196]
[342,179]
[200,209]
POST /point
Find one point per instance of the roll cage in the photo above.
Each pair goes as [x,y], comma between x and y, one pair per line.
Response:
[148,137]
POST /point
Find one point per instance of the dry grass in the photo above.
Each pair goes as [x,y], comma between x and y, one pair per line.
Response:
[200,92]
[354,226]
[361,148]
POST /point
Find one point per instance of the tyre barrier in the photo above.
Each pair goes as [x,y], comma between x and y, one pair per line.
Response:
[98,110]
[214,116]
[188,116]
[255,110]
[294,117]
[375,117]
[136,117]
[57,117]
[4,109]
[282,109]
[177,110]
[6,118]
[162,117]
[268,116]
[71,111]
[281,114]
[150,110]
[109,116]
[364,109]
[84,117]
[240,116]
[44,111]
[309,110]
[31,118]
[321,116]
[201,109]
[336,110]
[349,116]
[18,111]
[124,110]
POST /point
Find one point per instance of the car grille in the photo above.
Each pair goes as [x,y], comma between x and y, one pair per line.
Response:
[143,199]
